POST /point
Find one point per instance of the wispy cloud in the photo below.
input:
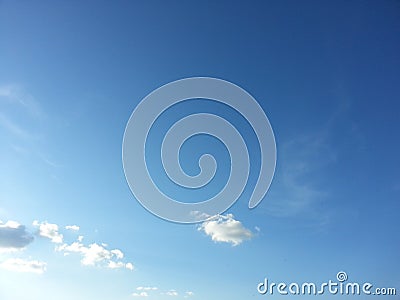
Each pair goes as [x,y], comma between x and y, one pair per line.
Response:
[225,229]
[296,191]
[26,266]
[13,236]
[21,119]
[13,127]
[18,107]
[15,94]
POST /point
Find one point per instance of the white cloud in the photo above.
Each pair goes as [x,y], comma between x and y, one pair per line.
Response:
[226,229]
[142,291]
[147,288]
[13,236]
[141,294]
[115,264]
[50,231]
[96,255]
[72,227]
[20,265]
[189,294]
[172,293]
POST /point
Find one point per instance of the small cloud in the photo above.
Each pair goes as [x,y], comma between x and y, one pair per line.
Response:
[49,231]
[141,294]
[26,266]
[72,227]
[13,236]
[172,293]
[129,266]
[226,229]
[147,288]
[189,294]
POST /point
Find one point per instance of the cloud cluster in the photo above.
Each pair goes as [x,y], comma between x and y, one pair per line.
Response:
[96,255]
[225,229]
[13,236]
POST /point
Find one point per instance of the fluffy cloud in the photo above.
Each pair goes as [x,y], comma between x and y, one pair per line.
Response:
[13,236]
[141,294]
[226,229]
[49,231]
[189,294]
[20,265]
[72,227]
[96,255]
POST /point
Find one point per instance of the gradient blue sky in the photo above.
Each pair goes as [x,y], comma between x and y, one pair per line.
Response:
[71,73]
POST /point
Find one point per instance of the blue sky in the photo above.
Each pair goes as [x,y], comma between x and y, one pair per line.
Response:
[71,73]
